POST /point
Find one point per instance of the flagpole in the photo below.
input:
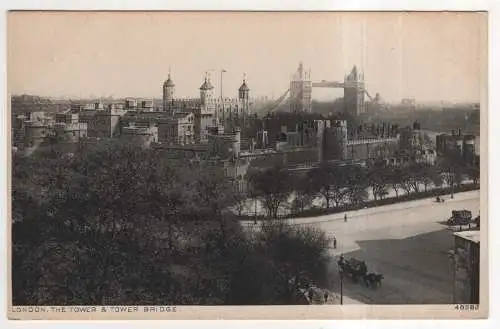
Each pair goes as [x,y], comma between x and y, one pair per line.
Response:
[222,96]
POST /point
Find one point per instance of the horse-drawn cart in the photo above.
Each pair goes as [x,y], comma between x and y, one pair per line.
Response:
[358,272]
[353,268]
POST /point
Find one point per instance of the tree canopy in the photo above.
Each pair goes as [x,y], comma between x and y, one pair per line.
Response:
[114,224]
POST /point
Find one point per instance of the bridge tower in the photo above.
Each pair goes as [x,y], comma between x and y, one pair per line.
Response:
[354,93]
[301,91]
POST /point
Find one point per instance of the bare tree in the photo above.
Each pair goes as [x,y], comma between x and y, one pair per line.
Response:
[273,186]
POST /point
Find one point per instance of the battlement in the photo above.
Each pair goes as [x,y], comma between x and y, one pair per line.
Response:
[372,141]
[186,99]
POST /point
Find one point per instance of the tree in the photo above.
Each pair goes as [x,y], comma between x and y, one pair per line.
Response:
[300,253]
[239,198]
[356,185]
[409,180]
[272,186]
[117,225]
[328,181]
[303,192]
[425,175]
[452,166]
[378,179]
[395,178]
[474,174]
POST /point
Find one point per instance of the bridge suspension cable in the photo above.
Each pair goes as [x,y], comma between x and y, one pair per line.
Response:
[278,102]
[367,94]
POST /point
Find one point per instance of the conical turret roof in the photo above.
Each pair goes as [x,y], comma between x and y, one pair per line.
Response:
[168,82]
[244,86]
[206,85]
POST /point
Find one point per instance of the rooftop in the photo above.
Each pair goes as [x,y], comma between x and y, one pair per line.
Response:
[473,236]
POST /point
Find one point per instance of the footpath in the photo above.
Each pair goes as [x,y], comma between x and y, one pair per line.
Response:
[318,297]
[386,208]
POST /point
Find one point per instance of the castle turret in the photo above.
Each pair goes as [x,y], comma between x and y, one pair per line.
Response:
[206,91]
[168,93]
[244,98]
[243,91]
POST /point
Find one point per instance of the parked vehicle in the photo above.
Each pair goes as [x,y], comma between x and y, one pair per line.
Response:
[460,217]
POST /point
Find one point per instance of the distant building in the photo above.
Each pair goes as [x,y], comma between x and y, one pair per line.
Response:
[467,265]
[179,129]
[67,117]
[102,122]
[36,132]
[141,136]
[228,112]
[70,132]
[464,145]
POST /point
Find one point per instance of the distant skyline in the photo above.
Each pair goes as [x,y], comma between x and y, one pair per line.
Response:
[427,56]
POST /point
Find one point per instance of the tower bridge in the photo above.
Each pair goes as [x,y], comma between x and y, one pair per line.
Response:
[299,94]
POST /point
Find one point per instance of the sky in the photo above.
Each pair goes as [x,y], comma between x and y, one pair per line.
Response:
[426,56]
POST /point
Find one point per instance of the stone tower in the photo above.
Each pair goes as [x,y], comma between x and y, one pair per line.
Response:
[354,93]
[168,93]
[244,98]
[301,91]
[206,94]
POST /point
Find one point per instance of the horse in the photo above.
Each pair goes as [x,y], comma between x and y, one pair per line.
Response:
[374,280]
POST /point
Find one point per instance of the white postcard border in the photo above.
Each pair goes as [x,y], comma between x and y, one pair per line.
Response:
[494,55]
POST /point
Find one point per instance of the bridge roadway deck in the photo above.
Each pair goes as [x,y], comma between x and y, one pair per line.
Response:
[405,242]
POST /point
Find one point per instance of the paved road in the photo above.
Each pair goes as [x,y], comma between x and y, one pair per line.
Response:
[405,242]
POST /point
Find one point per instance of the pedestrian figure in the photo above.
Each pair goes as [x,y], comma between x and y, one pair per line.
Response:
[341,262]
[326,297]
[311,294]
[345,218]
[334,243]
[363,268]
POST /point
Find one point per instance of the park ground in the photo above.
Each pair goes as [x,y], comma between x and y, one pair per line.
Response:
[406,242]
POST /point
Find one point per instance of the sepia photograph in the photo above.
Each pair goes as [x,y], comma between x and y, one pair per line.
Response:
[316,163]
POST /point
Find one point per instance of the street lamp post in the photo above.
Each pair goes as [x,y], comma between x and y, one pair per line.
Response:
[341,272]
